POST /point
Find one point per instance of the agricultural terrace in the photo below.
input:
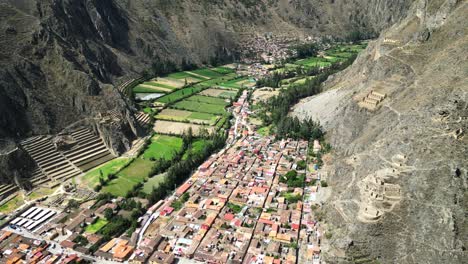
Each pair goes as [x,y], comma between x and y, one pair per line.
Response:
[187,116]
[178,128]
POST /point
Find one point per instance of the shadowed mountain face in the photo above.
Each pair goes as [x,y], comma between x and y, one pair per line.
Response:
[60,58]
[399,168]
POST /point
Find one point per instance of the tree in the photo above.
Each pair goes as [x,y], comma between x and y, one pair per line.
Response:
[108,213]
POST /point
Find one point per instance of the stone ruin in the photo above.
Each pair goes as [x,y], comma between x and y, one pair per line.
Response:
[379,192]
[372,100]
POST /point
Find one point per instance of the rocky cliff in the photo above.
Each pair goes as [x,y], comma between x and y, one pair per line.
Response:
[398,124]
[60,58]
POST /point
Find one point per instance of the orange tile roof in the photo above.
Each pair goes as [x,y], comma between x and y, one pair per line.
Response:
[109,245]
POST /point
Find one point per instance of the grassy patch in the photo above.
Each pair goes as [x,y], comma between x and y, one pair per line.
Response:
[163,147]
[208,73]
[154,89]
[41,192]
[264,131]
[98,225]
[11,205]
[91,178]
[200,107]
[184,75]
[223,70]
[236,83]
[179,94]
[207,99]
[153,183]
[126,179]
[314,62]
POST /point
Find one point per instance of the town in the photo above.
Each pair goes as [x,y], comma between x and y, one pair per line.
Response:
[249,203]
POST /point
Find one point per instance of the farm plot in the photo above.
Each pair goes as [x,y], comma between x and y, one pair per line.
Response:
[153,182]
[147,88]
[314,62]
[222,93]
[263,95]
[189,116]
[207,73]
[91,178]
[187,76]
[179,94]
[207,99]
[224,69]
[200,107]
[127,178]
[178,128]
[238,83]
[163,146]
[170,83]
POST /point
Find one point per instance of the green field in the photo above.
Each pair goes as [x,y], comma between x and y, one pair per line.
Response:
[223,70]
[236,83]
[141,89]
[153,182]
[208,73]
[207,99]
[228,94]
[182,75]
[200,107]
[314,62]
[91,178]
[163,147]
[179,94]
[197,147]
[135,173]
[98,225]
[191,116]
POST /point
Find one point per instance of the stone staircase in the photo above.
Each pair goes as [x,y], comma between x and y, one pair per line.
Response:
[143,119]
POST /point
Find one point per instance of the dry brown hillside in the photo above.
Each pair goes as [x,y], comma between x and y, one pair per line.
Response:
[398,121]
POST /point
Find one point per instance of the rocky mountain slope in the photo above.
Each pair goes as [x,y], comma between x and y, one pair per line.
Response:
[60,58]
[398,172]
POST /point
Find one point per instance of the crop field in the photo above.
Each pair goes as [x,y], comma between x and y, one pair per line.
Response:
[201,107]
[222,93]
[169,82]
[162,146]
[223,70]
[179,94]
[263,95]
[207,99]
[178,128]
[91,178]
[191,78]
[314,62]
[207,73]
[189,116]
[126,179]
[145,88]
[238,83]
